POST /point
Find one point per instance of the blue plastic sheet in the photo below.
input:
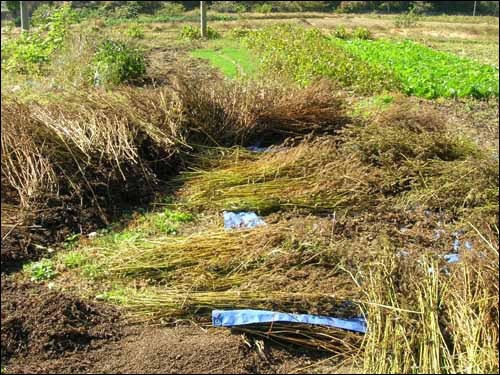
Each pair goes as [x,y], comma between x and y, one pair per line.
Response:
[233,318]
[242,220]
[452,258]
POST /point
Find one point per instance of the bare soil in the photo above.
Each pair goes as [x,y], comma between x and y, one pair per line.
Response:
[46,331]
[160,350]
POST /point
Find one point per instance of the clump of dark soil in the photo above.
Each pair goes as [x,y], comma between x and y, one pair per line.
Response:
[30,235]
[42,324]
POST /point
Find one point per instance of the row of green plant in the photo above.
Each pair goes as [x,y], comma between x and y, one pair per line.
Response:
[369,66]
[425,72]
[304,55]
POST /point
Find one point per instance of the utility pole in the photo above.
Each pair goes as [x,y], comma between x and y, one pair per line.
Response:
[203,14]
[474,12]
[25,19]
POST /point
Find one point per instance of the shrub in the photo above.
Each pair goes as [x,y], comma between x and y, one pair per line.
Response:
[355,6]
[422,7]
[341,32]
[116,62]
[406,20]
[171,9]
[361,33]
[228,7]
[239,32]
[31,50]
[135,31]
[263,8]
[41,14]
[128,11]
[300,6]
[192,33]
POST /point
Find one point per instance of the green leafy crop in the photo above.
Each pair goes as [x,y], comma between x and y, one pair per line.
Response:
[304,55]
[425,72]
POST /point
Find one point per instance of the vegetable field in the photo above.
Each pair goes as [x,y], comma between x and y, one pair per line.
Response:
[425,72]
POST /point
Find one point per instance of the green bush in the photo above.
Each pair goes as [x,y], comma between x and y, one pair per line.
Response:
[422,7]
[354,6]
[127,11]
[407,19]
[304,55]
[171,9]
[361,33]
[115,62]
[341,32]
[263,8]
[40,14]
[31,50]
[239,32]
[135,31]
[228,7]
[299,6]
[193,33]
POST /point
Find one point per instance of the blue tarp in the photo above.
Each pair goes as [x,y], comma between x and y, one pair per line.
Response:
[233,318]
[452,258]
[242,220]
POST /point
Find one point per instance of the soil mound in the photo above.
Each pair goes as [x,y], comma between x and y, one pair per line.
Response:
[48,324]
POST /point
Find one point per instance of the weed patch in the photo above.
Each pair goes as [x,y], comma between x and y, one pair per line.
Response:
[41,270]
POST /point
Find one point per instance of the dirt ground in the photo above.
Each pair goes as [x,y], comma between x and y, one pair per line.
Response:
[47,331]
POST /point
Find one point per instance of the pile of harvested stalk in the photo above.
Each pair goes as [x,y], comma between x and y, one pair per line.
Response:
[381,188]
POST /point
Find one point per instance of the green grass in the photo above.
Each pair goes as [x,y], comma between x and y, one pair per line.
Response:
[73,259]
[233,62]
